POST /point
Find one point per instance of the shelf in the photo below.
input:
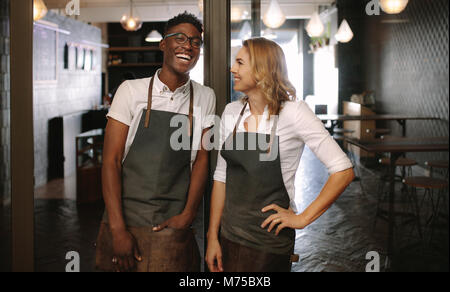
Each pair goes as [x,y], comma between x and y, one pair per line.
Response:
[134,49]
[136,65]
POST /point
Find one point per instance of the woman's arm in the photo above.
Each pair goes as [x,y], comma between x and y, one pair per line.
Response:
[217,205]
[214,252]
[334,187]
[313,133]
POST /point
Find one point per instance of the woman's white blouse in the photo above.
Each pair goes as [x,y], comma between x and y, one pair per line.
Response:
[297,126]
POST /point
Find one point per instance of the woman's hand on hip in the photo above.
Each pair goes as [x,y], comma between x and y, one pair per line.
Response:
[214,256]
[284,218]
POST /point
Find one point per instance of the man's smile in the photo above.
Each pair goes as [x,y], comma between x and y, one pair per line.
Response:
[184,57]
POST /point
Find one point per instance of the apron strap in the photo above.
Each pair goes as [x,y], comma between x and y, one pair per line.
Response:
[191,108]
[149,105]
[272,133]
[239,119]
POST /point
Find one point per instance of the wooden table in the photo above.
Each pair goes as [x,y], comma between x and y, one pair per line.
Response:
[397,147]
[401,119]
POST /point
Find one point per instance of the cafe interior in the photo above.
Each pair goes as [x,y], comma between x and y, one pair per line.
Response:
[375,72]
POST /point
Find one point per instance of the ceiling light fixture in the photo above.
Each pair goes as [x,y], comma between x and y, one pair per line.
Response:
[274,16]
[315,27]
[130,22]
[393,6]
[236,14]
[200,6]
[39,9]
[153,37]
[345,33]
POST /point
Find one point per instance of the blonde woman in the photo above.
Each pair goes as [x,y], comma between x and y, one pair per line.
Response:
[253,215]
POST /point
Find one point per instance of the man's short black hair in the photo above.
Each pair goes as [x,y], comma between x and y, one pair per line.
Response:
[184,17]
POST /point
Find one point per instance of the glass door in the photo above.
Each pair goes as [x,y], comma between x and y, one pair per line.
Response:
[253,18]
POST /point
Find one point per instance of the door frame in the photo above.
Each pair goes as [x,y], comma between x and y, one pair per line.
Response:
[22,145]
[217,52]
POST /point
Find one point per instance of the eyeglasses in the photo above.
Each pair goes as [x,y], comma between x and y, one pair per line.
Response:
[181,39]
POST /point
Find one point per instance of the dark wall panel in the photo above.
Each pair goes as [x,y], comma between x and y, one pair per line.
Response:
[404,58]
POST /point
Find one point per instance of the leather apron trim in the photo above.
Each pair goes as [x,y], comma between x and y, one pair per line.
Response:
[170,250]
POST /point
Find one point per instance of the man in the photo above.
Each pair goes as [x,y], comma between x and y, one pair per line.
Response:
[151,191]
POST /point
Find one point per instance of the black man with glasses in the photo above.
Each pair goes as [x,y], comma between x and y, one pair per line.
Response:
[151,189]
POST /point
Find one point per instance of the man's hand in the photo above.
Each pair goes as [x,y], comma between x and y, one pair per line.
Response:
[181,221]
[126,252]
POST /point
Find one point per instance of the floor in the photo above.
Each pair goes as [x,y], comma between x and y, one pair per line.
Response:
[337,242]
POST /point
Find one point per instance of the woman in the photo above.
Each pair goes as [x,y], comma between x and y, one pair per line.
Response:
[253,193]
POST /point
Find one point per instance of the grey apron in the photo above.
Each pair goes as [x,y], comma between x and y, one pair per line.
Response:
[252,184]
[155,185]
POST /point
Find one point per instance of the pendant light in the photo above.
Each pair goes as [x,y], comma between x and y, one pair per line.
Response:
[236,14]
[315,27]
[130,22]
[153,37]
[345,33]
[39,9]
[393,6]
[200,6]
[274,16]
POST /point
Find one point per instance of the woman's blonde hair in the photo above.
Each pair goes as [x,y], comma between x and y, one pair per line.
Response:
[270,72]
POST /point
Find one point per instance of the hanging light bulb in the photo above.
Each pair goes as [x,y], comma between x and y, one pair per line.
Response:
[39,9]
[393,6]
[200,6]
[274,17]
[236,14]
[153,37]
[345,33]
[130,22]
[315,27]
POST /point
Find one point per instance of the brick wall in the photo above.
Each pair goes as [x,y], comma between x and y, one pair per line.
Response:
[75,91]
[5,177]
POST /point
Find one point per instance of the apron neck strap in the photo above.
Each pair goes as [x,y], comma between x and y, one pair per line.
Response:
[149,105]
[272,132]
[239,119]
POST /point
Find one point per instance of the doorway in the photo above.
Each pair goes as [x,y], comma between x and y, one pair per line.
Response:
[62,123]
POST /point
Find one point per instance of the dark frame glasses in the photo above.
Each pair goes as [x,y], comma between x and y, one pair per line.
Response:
[182,38]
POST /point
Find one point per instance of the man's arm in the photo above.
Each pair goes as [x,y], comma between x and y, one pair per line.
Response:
[124,245]
[113,149]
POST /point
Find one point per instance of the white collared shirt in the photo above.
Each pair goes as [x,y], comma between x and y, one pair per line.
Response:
[297,126]
[131,99]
